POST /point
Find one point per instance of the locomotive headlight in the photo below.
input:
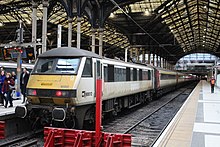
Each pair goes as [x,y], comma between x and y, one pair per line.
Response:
[31,92]
[58,93]
[65,93]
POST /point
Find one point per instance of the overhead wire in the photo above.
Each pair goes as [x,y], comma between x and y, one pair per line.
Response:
[116,4]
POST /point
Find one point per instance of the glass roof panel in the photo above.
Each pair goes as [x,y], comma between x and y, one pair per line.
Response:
[142,6]
[201,19]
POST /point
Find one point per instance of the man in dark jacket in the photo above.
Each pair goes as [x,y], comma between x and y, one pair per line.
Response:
[23,83]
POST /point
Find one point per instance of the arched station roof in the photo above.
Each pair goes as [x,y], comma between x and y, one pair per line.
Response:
[169,28]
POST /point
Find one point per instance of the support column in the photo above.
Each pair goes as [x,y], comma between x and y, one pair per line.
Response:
[164,63]
[137,54]
[44,29]
[126,54]
[131,53]
[78,32]
[34,27]
[70,26]
[93,40]
[149,58]
[153,59]
[143,56]
[59,30]
[157,60]
[101,30]
[160,61]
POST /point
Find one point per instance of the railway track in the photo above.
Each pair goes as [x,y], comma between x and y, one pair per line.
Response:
[25,140]
[147,124]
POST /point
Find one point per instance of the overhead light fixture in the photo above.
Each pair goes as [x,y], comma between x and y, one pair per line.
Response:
[112,15]
[203,41]
[28,21]
[203,45]
[204,36]
[147,13]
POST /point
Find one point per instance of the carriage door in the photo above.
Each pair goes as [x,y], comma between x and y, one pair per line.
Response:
[157,79]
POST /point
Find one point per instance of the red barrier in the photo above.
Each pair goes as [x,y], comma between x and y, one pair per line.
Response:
[119,140]
[68,137]
[80,138]
[2,129]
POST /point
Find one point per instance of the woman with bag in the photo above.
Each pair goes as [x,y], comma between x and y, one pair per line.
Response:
[7,88]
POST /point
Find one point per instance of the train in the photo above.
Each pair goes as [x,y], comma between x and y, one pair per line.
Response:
[62,87]
[12,66]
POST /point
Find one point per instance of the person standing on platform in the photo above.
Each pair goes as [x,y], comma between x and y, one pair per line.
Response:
[7,88]
[2,79]
[13,75]
[23,83]
[212,82]
[1,68]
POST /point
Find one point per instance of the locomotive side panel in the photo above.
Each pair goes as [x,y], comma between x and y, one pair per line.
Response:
[118,89]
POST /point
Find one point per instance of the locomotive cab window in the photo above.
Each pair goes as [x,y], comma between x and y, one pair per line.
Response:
[44,66]
[54,65]
[67,65]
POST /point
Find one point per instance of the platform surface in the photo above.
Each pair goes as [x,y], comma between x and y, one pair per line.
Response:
[10,110]
[197,124]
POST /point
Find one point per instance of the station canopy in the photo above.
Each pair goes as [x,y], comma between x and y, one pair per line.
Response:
[168,28]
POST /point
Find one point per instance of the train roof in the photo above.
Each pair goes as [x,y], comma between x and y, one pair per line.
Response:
[68,52]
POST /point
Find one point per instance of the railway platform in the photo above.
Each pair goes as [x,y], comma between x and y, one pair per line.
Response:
[197,123]
[10,110]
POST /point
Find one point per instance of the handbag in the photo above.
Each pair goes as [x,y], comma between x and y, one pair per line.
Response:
[11,87]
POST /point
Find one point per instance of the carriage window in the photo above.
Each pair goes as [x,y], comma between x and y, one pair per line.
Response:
[128,72]
[105,73]
[149,75]
[167,76]
[87,71]
[110,73]
[135,74]
[140,75]
[119,74]
[131,76]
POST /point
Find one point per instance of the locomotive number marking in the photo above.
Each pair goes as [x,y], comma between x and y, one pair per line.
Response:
[64,86]
[46,84]
[84,94]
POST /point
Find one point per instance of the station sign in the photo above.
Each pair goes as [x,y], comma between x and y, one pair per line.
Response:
[12,53]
